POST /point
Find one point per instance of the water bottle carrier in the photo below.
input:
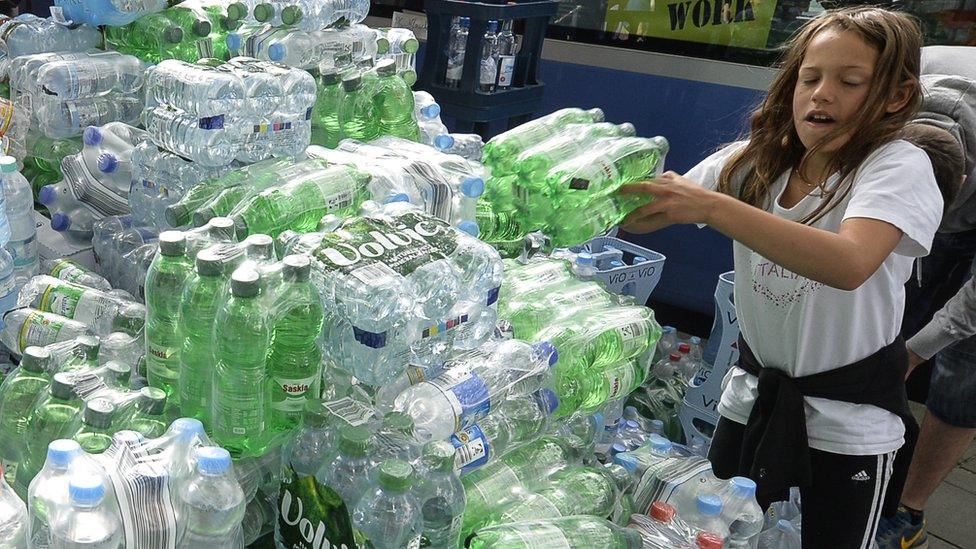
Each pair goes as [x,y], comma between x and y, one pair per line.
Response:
[466,103]
[636,280]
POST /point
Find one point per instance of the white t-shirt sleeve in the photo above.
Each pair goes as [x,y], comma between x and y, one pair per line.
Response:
[895,184]
[707,171]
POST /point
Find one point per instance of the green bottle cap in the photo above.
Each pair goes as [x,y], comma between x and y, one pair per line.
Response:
[152,401]
[202,216]
[173,35]
[35,359]
[208,263]
[411,45]
[329,78]
[398,422]
[99,412]
[222,228]
[172,243]
[237,11]
[119,372]
[227,24]
[63,386]
[382,45]
[88,347]
[240,227]
[245,282]
[395,475]
[297,268]
[177,215]
[8,164]
[263,12]
[409,76]
[354,441]
[202,28]
[260,246]
[291,15]
[439,456]
[386,67]
[352,82]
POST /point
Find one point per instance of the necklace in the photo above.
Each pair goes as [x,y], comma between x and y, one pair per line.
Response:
[803,181]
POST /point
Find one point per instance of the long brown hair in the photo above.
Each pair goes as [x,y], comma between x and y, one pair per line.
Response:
[774,145]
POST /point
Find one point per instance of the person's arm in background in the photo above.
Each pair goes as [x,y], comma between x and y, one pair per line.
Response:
[953,322]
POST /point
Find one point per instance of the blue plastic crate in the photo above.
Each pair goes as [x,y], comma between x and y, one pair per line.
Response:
[639,274]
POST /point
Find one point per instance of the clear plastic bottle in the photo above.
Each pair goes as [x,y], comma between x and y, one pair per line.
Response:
[441,496]
[583,266]
[22,245]
[506,56]
[57,119]
[96,75]
[390,516]
[209,141]
[196,89]
[88,523]
[488,76]
[13,517]
[782,536]
[707,515]
[348,471]
[457,44]
[212,503]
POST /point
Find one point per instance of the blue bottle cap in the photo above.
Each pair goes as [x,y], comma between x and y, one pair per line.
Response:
[657,425]
[396,197]
[108,162]
[631,424]
[47,195]
[668,329]
[546,349]
[470,227]
[8,164]
[695,340]
[188,427]
[92,136]
[465,21]
[433,111]
[784,526]
[61,452]
[626,460]
[709,505]
[617,448]
[616,263]
[276,51]
[658,444]
[549,399]
[584,258]
[639,259]
[86,489]
[443,141]
[743,487]
[212,460]
[598,419]
[630,411]
[60,222]
[473,187]
[234,41]
[493,26]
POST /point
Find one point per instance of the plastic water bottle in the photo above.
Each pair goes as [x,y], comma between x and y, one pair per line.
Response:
[58,119]
[742,512]
[457,43]
[489,59]
[28,34]
[195,89]
[201,296]
[13,517]
[241,337]
[164,281]
[475,380]
[390,516]
[325,113]
[506,56]
[112,13]
[48,491]
[348,471]
[357,111]
[96,75]
[441,496]
[209,141]
[781,536]
[467,145]
[72,272]
[707,515]
[394,103]
[212,503]
[86,523]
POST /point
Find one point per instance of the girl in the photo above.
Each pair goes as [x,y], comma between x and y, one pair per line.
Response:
[827,210]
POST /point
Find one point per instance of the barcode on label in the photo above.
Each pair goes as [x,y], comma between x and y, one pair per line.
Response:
[143,493]
[438,198]
[374,273]
[351,411]
[471,452]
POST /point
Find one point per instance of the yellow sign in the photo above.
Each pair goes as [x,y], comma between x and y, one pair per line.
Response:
[739,23]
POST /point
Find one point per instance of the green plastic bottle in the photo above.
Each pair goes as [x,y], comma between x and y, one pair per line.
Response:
[241,339]
[325,113]
[534,311]
[294,362]
[221,24]
[18,393]
[54,416]
[164,282]
[150,38]
[149,418]
[300,204]
[95,434]
[575,139]
[394,103]
[603,170]
[202,296]
[567,227]
[502,150]
[574,532]
[84,355]
[357,111]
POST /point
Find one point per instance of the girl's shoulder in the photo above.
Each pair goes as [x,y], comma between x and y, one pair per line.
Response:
[895,163]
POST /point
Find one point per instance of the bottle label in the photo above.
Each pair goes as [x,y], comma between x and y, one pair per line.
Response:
[24,252]
[437,192]
[238,420]
[489,72]
[293,393]
[454,69]
[66,270]
[506,70]
[414,543]
[535,534]
[83,113]
[620,380]
[597,169]
[79,304]
[351,411]
[7,285]
[6,115]
[39,330]
[467,393]
[633,338]
[312,515]
[472,448]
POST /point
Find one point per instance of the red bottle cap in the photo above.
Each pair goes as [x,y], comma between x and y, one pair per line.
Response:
[708,540]
[662,512]
[684,348]
[675,357]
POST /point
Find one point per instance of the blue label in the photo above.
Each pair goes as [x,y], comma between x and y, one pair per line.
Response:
[472,393]
[472,448]
[369,339]
[212,122]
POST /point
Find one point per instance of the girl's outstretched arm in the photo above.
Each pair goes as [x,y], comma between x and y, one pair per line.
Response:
[843,260]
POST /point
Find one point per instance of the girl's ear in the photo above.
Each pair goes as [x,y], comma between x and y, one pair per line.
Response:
[899,98]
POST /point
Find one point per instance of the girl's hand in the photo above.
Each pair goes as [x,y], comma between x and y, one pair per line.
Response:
[676,200]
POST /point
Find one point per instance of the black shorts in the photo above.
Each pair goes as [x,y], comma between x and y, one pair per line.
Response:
[842,507]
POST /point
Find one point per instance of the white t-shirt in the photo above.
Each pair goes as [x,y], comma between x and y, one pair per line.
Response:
[804,327]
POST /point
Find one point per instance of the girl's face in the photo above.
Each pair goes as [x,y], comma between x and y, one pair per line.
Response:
[832,85]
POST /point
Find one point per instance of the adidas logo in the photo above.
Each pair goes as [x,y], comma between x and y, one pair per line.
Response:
[861,477]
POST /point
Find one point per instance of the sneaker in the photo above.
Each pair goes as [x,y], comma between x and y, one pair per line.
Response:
[899,532]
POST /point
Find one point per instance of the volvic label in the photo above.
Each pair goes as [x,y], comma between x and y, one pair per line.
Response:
[312,515]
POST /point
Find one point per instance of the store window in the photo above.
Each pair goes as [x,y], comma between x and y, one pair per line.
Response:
[743,31]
